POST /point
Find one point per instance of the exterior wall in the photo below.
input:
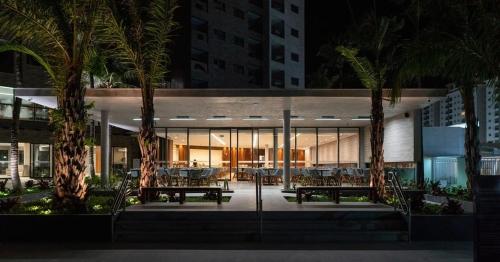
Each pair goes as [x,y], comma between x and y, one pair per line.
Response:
[398,139]
[211,27]
[443,141]
[448,112]
[34,76]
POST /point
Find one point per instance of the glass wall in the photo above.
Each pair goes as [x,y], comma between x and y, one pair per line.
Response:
[220,151]
[349,147]
[177,152]
[199,153]
[328,149]
[119,158]
[266,147]
[235,149]
[41,164]
[306,147]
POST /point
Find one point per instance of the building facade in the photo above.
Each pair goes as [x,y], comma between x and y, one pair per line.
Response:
[239,44]
[449,111]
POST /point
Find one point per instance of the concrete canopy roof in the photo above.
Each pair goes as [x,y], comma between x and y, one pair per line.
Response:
[238,104]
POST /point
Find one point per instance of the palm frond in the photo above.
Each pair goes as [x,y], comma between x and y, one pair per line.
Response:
[158,32]
[24,22]
[22,49]
[361,65]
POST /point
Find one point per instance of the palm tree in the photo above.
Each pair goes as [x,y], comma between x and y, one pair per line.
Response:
[14,129]
[58,35]
[137,34]
[375,64]
[460,44]
[95,67]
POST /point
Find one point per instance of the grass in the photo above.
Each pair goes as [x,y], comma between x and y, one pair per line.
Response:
[324,198]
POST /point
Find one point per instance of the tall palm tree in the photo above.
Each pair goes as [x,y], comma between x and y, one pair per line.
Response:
[137,34]
[374,61]
[14,128]
[58,35]
[95,67]
[460,44]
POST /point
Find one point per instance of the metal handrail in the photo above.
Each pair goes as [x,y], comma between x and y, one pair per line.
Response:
[121,194]
[398,192]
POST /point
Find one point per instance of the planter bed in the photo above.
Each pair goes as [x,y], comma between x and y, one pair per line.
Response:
[442,227]
[56,227]
[467,205]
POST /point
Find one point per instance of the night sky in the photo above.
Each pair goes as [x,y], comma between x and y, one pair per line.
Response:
[327,18]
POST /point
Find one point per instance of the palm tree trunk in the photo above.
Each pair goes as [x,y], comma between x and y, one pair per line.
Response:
[472,153]
[92,134]
[14,129]
[147,141]
[377,143]
[70,152]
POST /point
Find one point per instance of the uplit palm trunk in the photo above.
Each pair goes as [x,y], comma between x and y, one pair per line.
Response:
[147,141]
[70,152]
[377,142]
[14,129]
[92,133]
[472,154]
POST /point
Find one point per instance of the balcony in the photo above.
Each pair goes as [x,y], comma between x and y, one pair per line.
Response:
[278,53]
[278,28]
[278,5]
[278,78]
[255,23]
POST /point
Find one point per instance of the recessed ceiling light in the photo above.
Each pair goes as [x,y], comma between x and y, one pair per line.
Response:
[327,118]
[361,118]
[219,118]
[182,118]
[139,119]
[255,118]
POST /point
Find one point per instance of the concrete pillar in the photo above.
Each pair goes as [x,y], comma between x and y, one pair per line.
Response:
[418,153]
[275,148]
[105,149]
[286,149]
[266,155]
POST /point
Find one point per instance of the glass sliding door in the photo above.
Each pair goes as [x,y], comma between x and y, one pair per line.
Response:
[41,160]
[220,151]
[349,147]
[162,146]
[177,149]
[328,149]
[199,144]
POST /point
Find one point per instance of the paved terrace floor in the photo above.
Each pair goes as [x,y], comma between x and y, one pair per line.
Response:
[384,252]
[243,199]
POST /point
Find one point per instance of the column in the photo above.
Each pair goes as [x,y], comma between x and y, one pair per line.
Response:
[418,153]
[105,148]
[286,149]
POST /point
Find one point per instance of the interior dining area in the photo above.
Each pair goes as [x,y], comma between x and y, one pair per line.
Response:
[233,150]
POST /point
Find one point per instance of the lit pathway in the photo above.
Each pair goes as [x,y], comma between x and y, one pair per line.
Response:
[243,199]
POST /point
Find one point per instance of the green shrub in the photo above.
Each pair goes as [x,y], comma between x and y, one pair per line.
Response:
[99,204]
[452,207]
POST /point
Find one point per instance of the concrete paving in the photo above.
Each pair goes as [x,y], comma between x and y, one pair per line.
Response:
[417,252]
[243,199]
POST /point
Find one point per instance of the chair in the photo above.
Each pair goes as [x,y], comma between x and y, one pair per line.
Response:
[162,177]
[277,176]
[316,178]
[195,177]
[306,177]
[296,176]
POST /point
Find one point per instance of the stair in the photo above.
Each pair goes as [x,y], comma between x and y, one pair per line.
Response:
[285,227]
